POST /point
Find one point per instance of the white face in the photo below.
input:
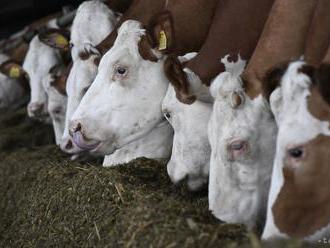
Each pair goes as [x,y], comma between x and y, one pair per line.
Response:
[124,102]
[56,108]
[296,127]
[11,92]
[38,61]
[242,137]
[87,31]
[191,150]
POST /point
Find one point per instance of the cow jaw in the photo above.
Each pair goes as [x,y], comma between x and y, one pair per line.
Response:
[155,145]
[124,102]
[191,150]
[297,127]
[243,146]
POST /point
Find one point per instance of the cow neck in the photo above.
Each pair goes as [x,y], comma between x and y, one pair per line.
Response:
[152,146]
[318,38]
[139,10]
[327,56]
[282,39]
[228,36]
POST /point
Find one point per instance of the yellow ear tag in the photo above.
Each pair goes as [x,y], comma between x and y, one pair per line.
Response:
[162,41]
[14,72]
[61,41]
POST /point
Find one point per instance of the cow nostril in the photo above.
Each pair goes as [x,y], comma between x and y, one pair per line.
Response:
[69,145]
[77,127]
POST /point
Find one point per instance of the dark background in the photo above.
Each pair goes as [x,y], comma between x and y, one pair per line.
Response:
[15,14]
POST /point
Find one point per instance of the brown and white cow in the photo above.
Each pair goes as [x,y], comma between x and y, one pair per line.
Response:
[191,151]
[242,130]
[298,203]
[299,200]
[131,83]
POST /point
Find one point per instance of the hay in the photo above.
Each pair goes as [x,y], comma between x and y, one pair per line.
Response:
[46,200]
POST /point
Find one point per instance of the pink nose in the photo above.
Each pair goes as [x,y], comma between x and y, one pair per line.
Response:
[36,109]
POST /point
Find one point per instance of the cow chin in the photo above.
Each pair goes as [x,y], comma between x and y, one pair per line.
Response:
[238,207]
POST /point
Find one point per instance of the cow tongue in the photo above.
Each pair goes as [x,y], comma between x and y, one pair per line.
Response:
[79,140]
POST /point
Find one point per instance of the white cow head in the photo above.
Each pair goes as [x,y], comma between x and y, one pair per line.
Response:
[87,31]
[242,137]
[124,102]
[43,54]
[13,83]
[298,204]
[191,150]
[54,85]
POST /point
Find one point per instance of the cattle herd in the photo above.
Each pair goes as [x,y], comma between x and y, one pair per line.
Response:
[236,94]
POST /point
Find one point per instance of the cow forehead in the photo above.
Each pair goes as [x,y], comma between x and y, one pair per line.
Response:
[294,116]
[129,35]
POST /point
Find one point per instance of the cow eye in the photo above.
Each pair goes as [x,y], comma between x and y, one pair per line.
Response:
[121,70]
[296,153]
[71,45]
[238,145]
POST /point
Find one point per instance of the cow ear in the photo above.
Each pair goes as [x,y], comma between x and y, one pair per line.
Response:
[272,80]
[13,70]
[56,38]
[161,31]
[178,78]
[323,81]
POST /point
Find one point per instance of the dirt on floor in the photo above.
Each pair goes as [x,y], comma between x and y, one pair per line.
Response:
[47,200]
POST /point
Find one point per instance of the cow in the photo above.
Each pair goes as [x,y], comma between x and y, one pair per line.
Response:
[47,49]
[133,69]
[207,63]
[87,31]
[13,83]
[299,195]
[55,87]
[299,98]
[191,151]
[242,130]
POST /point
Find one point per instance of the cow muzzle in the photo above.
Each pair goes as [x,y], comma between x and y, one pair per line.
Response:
[80,140]
[37,110]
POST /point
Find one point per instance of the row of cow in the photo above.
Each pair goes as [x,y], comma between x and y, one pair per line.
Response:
[237,96]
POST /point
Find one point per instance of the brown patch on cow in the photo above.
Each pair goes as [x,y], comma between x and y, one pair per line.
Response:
[303,204]
[162,22]
[272,79]
[85,54]
[56,38]
[307,70]
[323,81]
[145,49]
[174,72]
[59,78]
[318,39]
